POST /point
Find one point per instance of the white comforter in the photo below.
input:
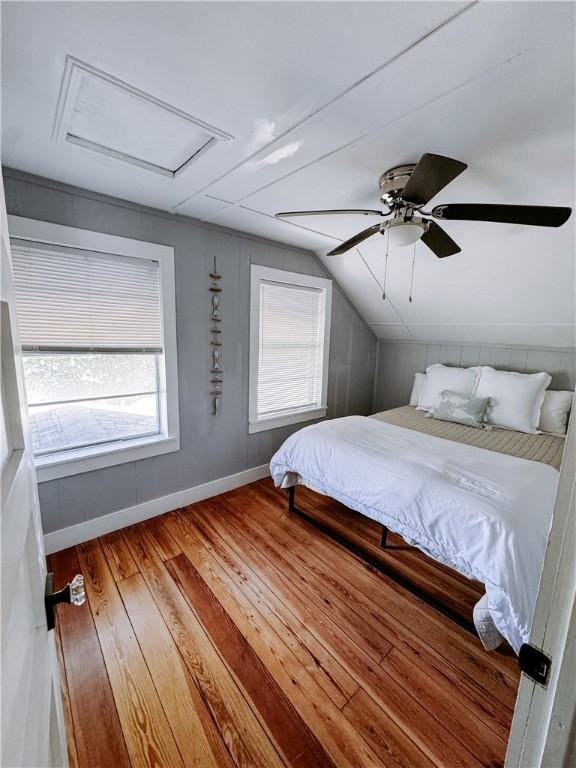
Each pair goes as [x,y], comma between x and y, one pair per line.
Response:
[483,513]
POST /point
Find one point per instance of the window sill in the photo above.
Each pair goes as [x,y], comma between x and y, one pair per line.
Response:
[286,420]
[88,459]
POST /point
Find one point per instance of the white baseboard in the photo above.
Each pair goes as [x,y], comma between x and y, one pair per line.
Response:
[91,529]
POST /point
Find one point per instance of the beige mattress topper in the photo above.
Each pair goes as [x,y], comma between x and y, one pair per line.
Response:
[544,448]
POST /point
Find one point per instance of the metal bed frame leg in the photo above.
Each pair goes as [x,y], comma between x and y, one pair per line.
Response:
[373,562]
[384,537]
[384,541]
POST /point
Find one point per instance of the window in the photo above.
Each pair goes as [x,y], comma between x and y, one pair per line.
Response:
[96,322]
[289,342]
[84,399]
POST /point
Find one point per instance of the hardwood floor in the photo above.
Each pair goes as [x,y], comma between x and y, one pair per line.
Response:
[231,633]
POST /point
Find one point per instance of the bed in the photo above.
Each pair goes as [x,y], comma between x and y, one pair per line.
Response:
[479,501]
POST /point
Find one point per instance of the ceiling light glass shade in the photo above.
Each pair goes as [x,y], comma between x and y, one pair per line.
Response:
[404,233]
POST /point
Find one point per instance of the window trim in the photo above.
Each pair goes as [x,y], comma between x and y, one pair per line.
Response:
[75,461]
[257,275]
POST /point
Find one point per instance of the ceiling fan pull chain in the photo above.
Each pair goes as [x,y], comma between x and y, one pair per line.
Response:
[386,265]
[412,275]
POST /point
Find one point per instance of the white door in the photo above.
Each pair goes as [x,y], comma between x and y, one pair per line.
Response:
[32,724]
[543,731]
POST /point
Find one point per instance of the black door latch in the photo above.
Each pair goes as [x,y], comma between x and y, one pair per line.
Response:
[534,663]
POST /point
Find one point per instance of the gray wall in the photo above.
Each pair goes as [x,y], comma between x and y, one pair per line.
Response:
[398,361]
[211,447]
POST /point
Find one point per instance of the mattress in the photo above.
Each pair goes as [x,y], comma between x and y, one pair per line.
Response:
[546,449]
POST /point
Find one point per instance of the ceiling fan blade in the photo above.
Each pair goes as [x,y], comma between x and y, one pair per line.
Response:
[364,235]
[362,211]
[533,215]
[439,241]
[432,174]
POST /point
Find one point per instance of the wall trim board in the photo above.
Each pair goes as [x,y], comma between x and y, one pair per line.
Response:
[114,521]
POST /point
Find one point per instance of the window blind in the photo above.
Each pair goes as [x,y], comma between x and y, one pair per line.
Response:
[76,300]
[291,337]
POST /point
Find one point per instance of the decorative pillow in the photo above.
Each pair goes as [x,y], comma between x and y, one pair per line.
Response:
[440,377]
[555,411]
[419,381]
[515,398]
[461,410]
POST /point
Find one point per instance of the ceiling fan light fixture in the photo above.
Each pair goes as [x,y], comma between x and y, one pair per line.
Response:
[403,233]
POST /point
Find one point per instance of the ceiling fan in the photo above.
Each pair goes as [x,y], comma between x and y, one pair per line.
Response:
[406,189]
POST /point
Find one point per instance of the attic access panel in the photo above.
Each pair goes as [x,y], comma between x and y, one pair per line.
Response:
[101,113]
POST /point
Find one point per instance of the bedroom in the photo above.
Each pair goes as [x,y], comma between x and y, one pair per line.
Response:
[177,357]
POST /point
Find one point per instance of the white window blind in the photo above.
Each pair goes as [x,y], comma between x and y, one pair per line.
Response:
[70,299]
[290,348]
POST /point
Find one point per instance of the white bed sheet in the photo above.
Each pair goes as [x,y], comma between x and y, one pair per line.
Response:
[485,514]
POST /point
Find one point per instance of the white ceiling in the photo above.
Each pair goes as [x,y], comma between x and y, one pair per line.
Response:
[320,98]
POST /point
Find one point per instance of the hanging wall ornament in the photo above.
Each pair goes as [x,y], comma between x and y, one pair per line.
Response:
[215,275]
[216,376]
[215,361]
[215,308]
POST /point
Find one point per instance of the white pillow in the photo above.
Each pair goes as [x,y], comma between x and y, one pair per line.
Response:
[515,398]
[419,380]
[440,377]
[554,413]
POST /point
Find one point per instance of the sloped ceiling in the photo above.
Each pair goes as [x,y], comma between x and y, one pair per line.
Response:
[320,98]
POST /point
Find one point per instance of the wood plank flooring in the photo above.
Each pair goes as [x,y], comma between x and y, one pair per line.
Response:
[231,633]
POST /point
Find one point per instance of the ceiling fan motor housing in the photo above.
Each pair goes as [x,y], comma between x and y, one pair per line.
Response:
[392,183]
